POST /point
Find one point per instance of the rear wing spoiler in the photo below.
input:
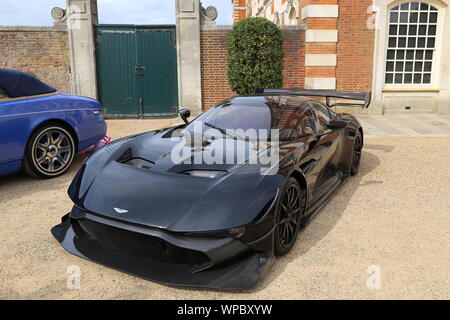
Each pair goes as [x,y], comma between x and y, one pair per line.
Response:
[328,94]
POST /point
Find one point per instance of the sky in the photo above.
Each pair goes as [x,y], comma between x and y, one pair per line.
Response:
[37,12]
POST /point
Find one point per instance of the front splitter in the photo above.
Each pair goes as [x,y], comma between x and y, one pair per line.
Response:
[240,275]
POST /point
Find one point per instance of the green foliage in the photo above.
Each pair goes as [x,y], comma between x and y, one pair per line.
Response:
[255,56]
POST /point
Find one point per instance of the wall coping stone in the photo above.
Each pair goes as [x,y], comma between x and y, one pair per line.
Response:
[217,27]
[34,28]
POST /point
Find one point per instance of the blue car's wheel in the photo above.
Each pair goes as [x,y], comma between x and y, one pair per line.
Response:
[50,152]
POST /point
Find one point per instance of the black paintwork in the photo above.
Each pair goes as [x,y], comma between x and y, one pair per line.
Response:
[176,228]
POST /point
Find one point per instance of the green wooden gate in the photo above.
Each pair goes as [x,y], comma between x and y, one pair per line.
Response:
[137,70]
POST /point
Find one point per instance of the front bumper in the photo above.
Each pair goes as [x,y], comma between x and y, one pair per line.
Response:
[152,254]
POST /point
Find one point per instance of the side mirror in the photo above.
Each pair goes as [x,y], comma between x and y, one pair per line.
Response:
[184,114]
[336,124]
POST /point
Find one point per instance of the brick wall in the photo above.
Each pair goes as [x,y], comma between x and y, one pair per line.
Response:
[213,42]
[345,63]
[355,46]
[213,46]
[42,50]
[294,58]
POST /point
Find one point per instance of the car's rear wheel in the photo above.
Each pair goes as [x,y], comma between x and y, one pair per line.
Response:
[356,156]
[50,151]
[289,216]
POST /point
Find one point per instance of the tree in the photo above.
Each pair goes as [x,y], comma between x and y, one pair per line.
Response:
[255,56]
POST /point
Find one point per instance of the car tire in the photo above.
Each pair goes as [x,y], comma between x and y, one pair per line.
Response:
[50,152]
[289,217]
[356,156]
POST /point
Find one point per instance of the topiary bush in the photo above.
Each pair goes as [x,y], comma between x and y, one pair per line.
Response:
[255,56]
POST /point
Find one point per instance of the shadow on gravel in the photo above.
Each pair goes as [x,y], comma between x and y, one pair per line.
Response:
[380,147]
[327,217]
[19,185]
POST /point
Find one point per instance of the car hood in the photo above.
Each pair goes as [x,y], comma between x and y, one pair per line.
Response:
[163,198]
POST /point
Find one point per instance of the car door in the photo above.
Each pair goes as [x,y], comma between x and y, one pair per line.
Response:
[310,162]
[325,148]
[7,132]
[11,136]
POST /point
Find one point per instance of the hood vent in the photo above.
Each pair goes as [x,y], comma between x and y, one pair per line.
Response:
[126,156]
[128,159]
[140,163]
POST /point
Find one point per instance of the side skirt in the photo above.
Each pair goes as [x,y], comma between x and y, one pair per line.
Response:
[318,204]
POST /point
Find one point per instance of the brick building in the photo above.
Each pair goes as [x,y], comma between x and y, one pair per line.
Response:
[283,12]
[394,48]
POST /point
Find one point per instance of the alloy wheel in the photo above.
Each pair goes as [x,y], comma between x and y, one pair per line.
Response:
[290,212]
[356,158]
[52,151]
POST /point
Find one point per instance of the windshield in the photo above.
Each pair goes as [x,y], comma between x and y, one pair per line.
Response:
[234,116]
[237,116]
[258,117]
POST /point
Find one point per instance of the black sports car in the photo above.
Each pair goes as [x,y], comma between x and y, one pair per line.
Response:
[216,224]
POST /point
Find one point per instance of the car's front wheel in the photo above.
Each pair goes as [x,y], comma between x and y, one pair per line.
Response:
[289,216]
[356,156]
[50,152]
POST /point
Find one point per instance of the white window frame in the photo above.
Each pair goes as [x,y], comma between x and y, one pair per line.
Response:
[435,74]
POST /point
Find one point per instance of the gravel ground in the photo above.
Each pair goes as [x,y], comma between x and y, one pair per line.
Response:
[394,215]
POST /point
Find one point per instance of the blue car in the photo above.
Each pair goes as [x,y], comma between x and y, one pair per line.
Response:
[40,129]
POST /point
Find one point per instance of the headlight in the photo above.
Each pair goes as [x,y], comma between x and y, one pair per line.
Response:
[234,232]
[212,174]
